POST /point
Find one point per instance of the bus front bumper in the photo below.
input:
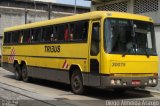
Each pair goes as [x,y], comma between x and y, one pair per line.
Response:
[132,82]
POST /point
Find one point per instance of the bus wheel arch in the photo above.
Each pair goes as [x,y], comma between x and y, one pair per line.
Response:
[23,63]
[73,68]
[15,62]
[76,79]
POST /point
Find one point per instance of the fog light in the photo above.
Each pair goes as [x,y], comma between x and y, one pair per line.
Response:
[154,81]
[124,83]
[113,82]
[145,83]
[118,82]
[150,81]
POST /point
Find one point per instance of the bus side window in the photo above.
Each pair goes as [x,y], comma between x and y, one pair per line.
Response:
[46,32]
[81,30]
[15,37]
[37,32]
[54,34]
[5,40]
[11,40]
[61,31]
[7,37]
[77,29]
[49,32]
[27,38]
[66,33]
[85,31]
[20,40]
[32,35]
[71,31]
[95,39]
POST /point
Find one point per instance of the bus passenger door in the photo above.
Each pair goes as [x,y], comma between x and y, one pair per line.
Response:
[94,56]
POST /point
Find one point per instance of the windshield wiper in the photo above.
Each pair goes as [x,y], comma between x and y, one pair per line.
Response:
[132,48]
[124,54]
[147,54]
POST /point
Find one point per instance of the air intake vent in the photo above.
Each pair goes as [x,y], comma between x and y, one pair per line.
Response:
[143,6]
[121,6]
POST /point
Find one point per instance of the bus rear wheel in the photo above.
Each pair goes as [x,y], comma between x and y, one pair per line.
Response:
[77,82]
[25,76]
[18,72]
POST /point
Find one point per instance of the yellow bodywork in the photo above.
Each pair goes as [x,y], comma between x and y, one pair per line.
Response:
[79,53]
[130,65]
[35,55]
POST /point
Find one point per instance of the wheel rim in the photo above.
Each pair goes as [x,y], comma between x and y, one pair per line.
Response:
[76,83]
[24,73]
[17,73]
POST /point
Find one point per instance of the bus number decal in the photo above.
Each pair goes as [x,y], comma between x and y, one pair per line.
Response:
[118,64]
[6,47]
[51,49]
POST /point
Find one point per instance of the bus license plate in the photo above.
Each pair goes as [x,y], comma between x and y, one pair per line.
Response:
[136,82]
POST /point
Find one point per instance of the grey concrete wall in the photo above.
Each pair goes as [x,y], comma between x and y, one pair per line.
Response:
[14,16]
[130,8]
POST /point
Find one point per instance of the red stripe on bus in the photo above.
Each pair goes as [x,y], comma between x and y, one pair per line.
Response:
[64,64]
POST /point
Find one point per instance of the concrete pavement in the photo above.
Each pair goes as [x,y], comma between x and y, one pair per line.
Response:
[52,93]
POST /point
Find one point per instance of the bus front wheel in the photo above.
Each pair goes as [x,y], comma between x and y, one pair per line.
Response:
[77,82]
[25,76]
[18,73]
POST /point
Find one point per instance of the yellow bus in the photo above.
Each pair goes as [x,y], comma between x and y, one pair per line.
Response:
[101,49]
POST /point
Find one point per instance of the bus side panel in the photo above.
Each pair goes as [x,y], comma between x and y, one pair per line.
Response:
[49,74]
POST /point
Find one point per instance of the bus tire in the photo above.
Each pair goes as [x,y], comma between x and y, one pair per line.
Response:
[77,82]
[25,76]
[18,72]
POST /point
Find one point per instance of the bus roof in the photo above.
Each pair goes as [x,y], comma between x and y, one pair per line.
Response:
[78,17]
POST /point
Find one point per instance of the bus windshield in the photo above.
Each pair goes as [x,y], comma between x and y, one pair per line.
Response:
[131,37]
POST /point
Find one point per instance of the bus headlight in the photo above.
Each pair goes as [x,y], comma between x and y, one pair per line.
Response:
[145,83]
[112,82]
[150,81]
[154,81]
[118,82]
[125,83]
